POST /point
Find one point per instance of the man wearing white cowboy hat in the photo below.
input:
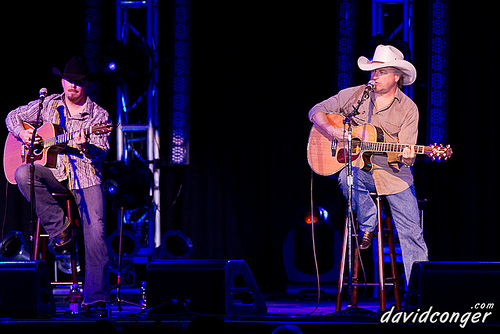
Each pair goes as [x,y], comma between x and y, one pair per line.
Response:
[391,111]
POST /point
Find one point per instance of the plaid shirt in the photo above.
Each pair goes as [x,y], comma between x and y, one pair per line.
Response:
[82,170]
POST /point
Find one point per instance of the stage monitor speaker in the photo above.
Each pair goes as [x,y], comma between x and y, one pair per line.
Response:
[454,286]
[25,290]
[218,287]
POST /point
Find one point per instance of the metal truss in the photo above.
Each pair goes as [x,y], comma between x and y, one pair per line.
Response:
[393,19]
[138,136]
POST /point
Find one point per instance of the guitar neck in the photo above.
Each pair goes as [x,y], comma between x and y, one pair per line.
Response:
[63,138]
[389,147]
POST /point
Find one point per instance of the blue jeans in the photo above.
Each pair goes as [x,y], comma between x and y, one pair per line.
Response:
[404,211]
[90,204]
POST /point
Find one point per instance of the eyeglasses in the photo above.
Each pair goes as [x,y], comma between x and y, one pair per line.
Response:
[382,71]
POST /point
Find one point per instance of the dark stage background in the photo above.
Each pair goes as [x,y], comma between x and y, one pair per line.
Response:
[257,68]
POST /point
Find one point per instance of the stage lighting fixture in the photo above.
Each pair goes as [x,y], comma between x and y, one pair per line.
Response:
[111,65]
[127,186]
[64,264]
[14,247]
[130,247]
[304,260]
[319,215]
[63,259]
[298,253]
[174,245]
[130,244]
[127,62]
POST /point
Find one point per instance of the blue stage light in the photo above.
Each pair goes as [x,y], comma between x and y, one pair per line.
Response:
[127,185]
[437,108]
[179,117]
[111,190]
[112,66]
[346,41]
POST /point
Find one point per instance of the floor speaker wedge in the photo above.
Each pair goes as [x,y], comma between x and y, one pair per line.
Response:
[454,286]
[25,290]
[219,287]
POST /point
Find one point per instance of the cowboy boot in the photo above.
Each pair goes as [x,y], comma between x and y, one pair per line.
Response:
[365,239]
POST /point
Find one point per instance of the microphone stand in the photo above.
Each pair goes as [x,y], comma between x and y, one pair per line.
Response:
[119,282]
[31,158]
[350,180]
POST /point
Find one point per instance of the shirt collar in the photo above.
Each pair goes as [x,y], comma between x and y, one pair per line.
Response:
[397,97]
[87,111]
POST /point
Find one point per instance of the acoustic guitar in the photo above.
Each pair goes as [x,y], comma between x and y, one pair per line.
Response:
[53,140]
[327,157]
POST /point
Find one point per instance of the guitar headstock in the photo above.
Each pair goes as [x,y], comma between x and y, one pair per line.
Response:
[438,151]
[102,128]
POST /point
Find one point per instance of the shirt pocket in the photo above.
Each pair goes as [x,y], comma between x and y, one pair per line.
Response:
[391,129]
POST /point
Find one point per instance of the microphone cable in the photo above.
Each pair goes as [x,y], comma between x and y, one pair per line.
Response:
[313,239]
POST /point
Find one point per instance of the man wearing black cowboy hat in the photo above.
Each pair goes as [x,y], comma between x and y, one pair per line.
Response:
[78,169]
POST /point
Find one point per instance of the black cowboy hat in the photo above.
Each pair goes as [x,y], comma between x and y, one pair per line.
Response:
[75,70]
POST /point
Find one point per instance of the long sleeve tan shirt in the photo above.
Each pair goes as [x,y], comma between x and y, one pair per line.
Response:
[398,122]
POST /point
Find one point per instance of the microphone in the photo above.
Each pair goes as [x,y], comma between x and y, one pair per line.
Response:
[370,86]
[42,93]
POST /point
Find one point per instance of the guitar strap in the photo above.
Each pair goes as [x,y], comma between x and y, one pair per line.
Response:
[60,119]
[346,108]
[365,118]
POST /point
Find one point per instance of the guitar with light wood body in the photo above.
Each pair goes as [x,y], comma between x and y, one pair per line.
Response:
[53,140]
[327,157]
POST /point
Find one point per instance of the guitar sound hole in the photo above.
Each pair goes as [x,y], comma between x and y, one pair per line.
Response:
[342,154]
[38,149]
[341,158]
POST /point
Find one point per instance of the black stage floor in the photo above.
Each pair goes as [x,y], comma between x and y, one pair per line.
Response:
[281,311]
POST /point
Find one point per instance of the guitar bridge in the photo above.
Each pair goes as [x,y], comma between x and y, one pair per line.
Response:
[23,153]
[334,147]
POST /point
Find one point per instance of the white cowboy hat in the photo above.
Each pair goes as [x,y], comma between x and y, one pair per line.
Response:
[389,56]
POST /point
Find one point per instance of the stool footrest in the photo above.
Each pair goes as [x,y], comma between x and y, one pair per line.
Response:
[369,284]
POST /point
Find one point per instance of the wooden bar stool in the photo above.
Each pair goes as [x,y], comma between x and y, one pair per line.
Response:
[71,212]
[382,280]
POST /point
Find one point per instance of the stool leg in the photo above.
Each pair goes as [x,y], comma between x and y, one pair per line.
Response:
[380,252]
[355,276]
[36,247]
[74,274]
[394,271]
[342,268]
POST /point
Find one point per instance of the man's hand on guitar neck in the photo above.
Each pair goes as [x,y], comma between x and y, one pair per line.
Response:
[80,140]
[408,156]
